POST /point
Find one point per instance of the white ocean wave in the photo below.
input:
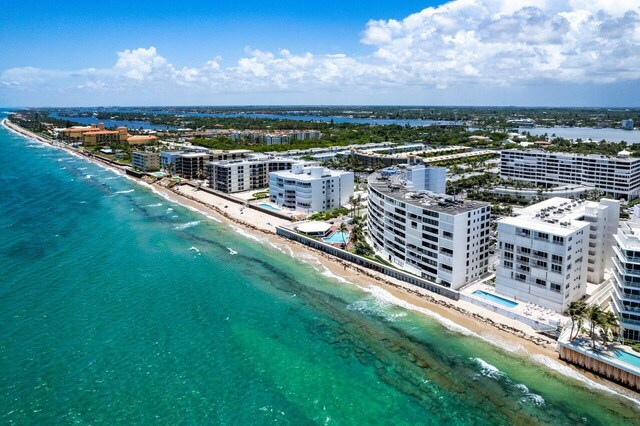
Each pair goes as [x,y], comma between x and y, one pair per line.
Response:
[529,396]
[276,246]
[246,234]
[187,225]
[383,294]
[327,273]
[126,191]
[153,205]
[376,308]
[487,369]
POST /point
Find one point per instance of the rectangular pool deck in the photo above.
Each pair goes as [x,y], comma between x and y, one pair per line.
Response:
[496,299]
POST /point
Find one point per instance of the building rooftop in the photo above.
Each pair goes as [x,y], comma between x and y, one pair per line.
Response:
[102,132]
[308,172]
[253,159]
[630,230]
[194,154]
[394,186]
[622,155]
[557,215]
[142,137]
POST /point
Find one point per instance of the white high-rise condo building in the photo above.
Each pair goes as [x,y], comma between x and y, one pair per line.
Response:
[550,250]
[310,188]
[422,178]
[626,287]
[436,237]
[243,175]
[618,176]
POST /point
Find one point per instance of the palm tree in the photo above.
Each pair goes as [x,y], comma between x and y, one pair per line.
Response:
[356,234]
[169,169]
[609,323]
[358,204]
[576,312]
[353,203]
[594,315]
[344,229]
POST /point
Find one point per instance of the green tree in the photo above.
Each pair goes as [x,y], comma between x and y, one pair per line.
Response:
[345,236]
[576,312]
[353,203]
[594,315]
[610,324]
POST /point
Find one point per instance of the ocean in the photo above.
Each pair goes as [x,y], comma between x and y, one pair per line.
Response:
[118,306]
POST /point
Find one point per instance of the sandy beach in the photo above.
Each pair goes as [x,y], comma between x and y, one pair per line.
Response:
[461,316]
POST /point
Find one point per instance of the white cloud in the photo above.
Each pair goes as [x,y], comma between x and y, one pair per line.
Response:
[488,43]
[139,63]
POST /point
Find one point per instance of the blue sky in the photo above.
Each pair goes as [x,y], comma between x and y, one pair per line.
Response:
[481,52]
[77,34]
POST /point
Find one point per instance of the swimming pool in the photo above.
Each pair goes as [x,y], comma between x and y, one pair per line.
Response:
[627,357]
[338,237]
[496,299]
[269,207]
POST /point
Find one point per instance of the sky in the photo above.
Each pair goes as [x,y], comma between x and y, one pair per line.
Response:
[460,52]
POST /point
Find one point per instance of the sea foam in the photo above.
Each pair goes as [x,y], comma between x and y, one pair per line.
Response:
[187,225]
[488,370]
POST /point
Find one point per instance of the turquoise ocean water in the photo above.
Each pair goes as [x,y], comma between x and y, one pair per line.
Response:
[118,306]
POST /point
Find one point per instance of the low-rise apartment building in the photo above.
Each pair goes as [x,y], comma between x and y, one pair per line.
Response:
[145,161]
[549,251]
[617,176]
[310,188]
[437,237]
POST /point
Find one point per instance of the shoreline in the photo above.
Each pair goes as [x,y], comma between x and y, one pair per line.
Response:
[458,316]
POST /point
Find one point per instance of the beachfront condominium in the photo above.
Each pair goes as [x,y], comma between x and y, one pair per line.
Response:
[550,250]
[191,163]
[145,161]
[310,188]
[422,178]
[243,175]
[94,135]
[435,236]
[618,176]
[625,300]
